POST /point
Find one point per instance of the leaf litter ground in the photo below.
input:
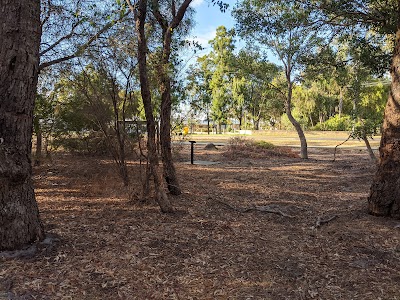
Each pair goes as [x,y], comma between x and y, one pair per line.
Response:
[314,241]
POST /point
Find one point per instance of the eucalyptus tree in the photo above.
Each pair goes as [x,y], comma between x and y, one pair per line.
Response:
[199,90]
[98,100]
[170,16]
[284,28]
[70,28]
[222,57]
[257,75]
[383,19]
[140,9]
[238,99]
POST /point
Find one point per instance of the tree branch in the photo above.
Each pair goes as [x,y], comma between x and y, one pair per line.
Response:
[83,47]
[61,39]
[180,14]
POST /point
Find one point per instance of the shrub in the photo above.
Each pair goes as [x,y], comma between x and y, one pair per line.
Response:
[240,147]
[335,123]
[264,145]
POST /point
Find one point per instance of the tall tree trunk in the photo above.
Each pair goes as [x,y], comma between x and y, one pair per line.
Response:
[19,62]
[165,89]
[161,196]
[38,152]
[208,124]
[165,135]
[384,198]
[340,102]
[297,126]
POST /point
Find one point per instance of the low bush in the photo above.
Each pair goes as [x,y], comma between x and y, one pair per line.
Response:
[240,147]
[335,123]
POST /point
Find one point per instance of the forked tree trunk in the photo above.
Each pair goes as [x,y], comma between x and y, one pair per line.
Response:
[19,63]
[161,196]
[165,89]
[384,198]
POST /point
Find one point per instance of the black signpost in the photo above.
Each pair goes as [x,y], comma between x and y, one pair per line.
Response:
[191,151]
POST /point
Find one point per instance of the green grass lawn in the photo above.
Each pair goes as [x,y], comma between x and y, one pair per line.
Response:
[289,138]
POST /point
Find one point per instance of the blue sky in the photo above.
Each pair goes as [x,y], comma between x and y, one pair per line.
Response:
[208,18]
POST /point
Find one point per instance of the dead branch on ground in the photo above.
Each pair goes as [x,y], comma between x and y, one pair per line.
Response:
[273,209]
[320,221]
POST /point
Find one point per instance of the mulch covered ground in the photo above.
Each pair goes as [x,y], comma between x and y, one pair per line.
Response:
[250,227]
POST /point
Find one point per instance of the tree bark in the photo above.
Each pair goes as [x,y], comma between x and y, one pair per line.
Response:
[165,138]
[19,63]
[370,151]
[297,126]
[38,152]
[161,196]
[165,89]
[384,198]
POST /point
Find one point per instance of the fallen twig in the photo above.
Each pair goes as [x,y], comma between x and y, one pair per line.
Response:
[320,221]
[273,210]
[267,209]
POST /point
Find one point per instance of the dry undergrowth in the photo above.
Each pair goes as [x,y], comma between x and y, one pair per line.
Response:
[214,247]
[238,148]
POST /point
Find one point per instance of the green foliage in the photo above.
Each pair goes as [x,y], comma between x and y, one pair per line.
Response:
[220,82]
[240,147]
[91,143]
[239,141]
[43,115]
[287,125]
[90,109]
[364,129]
[264,145]
[336,123]
[82,103]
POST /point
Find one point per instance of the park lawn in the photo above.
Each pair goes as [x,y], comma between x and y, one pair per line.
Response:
[288,138]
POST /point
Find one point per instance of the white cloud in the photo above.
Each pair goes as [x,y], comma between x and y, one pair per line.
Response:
[196,3]
[203,38]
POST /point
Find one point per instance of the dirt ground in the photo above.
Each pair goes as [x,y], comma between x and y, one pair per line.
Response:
[250,227]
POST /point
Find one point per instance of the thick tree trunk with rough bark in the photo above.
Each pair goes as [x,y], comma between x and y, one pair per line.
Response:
[19,63]
[161,196]
[384,198]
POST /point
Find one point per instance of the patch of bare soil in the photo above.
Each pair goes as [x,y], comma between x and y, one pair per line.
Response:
[276,227]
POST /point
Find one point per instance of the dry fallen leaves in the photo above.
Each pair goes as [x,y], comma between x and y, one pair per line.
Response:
[110,248]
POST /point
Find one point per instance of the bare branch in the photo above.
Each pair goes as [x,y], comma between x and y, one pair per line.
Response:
[61,39]
[83,47]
